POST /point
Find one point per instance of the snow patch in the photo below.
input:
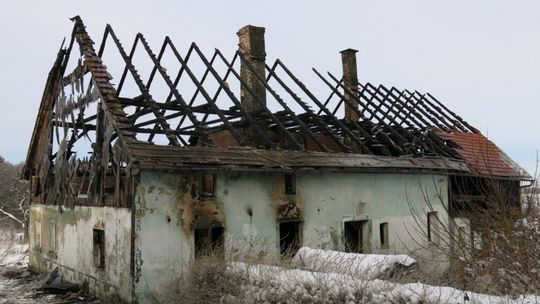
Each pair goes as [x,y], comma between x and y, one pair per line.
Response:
[272,284]
[364,266]
[13,254]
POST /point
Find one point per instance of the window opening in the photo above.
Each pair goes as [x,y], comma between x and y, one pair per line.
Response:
[99,248]
[290,184]
[462,236]
[383,231]
[208,185]
[433,227]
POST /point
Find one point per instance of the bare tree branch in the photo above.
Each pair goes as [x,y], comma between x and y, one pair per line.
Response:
[21,222]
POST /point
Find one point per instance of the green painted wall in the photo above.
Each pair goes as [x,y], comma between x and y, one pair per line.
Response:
[249,201]
[330,199]
[161,247]
[169,207]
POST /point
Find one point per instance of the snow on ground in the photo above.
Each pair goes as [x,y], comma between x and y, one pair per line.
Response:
[331,277]
[272,284]
[13,254]
[13,263]
[364,266]
[18,285]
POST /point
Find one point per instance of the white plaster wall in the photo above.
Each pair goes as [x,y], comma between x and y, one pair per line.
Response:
[65,240]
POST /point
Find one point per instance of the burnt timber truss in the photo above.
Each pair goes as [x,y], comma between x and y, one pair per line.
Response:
[123,129]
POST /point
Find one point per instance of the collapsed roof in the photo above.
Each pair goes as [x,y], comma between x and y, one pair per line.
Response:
[184,111]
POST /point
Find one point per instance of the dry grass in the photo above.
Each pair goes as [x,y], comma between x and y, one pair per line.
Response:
[249,277]
[208,282]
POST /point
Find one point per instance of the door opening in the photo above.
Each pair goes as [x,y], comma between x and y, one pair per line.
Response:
[356,235]
[209,241]
[289,238]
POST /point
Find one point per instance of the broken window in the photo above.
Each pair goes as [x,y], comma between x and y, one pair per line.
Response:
[356,235]
[462,236]
[208,185]
[383,232]
[477,240]
[433,227]
[209,241]
[99,248]
[289,238]
[482,240]
[290,184]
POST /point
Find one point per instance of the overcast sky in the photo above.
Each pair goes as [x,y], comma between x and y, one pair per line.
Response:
[481,58]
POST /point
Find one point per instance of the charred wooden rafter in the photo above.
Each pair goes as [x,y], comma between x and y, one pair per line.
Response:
[391,122]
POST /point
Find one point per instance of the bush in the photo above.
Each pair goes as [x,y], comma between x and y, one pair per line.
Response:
[500,254]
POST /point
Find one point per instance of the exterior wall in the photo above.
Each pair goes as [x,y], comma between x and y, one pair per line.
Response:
[331,199]
[161,246]
[65,240]
[250,206]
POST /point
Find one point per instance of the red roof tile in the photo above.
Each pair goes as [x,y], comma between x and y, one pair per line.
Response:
[482,155]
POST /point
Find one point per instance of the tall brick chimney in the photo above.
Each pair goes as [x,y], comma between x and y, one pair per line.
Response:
[350,83]
[251,45]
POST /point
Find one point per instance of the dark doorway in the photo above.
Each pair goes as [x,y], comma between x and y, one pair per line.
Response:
[209,241]
[289,238]
[356,236]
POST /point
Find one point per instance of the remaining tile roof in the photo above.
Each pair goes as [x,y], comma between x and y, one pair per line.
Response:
[482,155]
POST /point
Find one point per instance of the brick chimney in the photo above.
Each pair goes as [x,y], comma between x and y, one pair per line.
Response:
[350,83]
[251,45]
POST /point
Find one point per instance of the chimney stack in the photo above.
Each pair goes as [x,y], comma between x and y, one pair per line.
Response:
[251,46]
[350,83]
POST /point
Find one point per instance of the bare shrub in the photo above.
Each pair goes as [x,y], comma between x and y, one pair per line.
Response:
[14,204]
[499,252]
[207,281]
[247,276]
[216,281]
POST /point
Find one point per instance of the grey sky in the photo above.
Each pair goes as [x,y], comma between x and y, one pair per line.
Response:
[481,58]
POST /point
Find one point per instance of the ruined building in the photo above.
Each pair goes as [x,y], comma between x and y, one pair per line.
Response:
[142,161]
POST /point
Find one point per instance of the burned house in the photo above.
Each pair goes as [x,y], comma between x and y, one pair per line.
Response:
[140,162]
